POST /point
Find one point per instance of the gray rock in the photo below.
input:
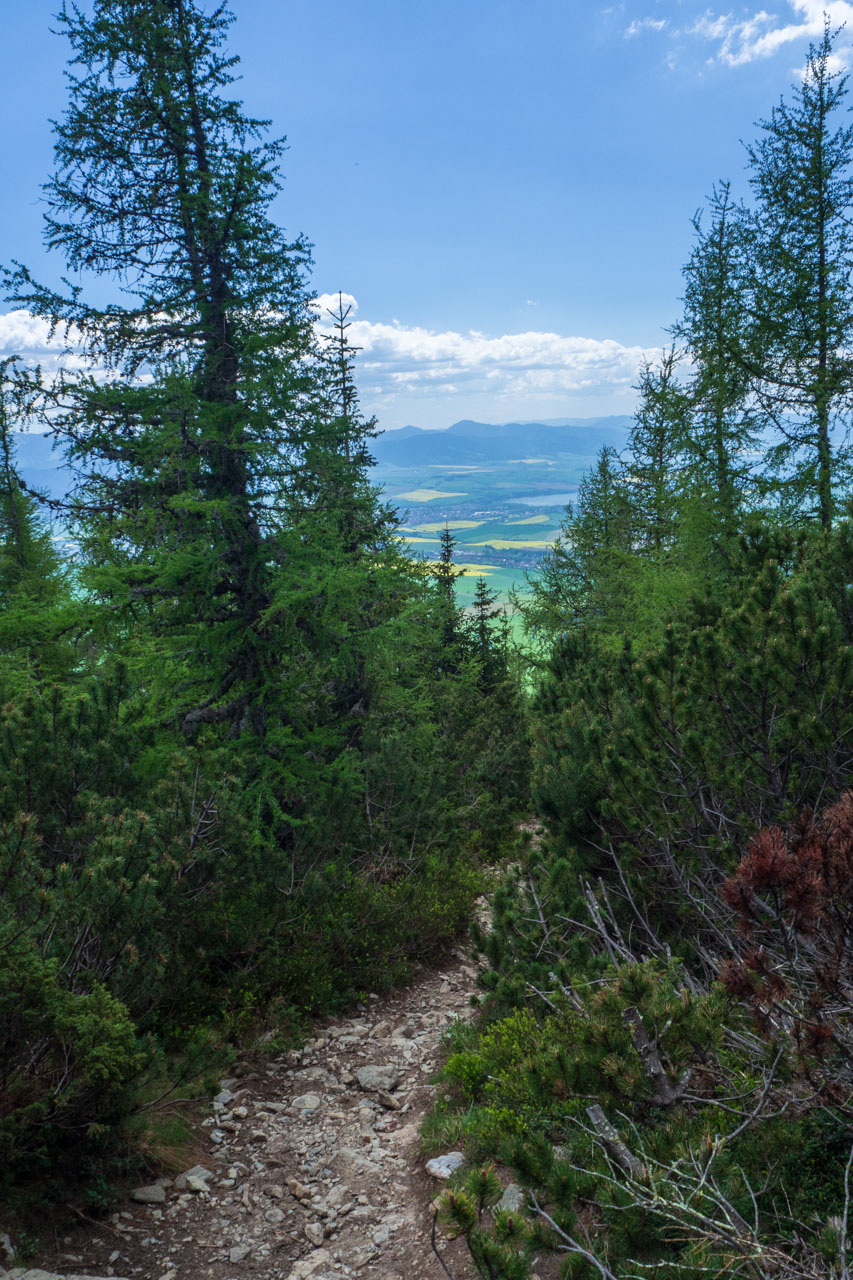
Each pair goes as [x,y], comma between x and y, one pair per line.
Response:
[155,1194]
[197,1173]
[512,1199]
[307,1102]
[274,1217]
[25,1273]
[35,1273]
[376,1078]
[309,1266]
[314,1233]
[239,1252]
[75,1277]
[318,1075]
[224,1097]
[360,1257]
[443,1167]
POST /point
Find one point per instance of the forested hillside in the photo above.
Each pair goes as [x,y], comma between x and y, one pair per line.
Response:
[252,757]
[665,1061]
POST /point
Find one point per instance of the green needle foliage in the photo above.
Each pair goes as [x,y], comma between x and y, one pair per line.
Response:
[798,281]
[163,185]
[664,1056]
[251,756]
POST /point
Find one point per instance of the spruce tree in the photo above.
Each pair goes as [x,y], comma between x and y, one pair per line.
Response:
[581,581]
[488,641]
[656,449]
[445,574]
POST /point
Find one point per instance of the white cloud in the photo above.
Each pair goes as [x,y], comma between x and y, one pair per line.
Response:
[646,24]
[408,371]
[25,335]
[329,302]
[742,40]
[398,356]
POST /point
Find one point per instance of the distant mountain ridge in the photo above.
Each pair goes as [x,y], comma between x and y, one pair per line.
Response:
[470,443]
[465,443]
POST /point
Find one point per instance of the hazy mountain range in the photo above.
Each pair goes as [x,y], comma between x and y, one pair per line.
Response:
[469,443]
[466,443]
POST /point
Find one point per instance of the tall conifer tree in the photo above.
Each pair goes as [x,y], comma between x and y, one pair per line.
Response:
[657,446]
[724,422]
[187,451]
[581,581]
[800,286]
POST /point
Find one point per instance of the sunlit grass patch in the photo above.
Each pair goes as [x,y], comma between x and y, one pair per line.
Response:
[528,520]
[438,525]
[428,495]
[510,544]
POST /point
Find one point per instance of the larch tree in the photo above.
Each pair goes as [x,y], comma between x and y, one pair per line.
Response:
[202,392]
[723,431]
[799,288]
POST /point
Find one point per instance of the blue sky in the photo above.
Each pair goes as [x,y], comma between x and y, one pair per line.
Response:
[504,187]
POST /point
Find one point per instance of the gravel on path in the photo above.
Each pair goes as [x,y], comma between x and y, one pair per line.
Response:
[313,1169]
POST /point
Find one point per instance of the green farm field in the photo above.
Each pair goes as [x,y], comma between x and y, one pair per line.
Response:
[501,490]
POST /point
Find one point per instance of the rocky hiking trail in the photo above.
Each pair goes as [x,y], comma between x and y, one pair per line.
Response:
[312,1166]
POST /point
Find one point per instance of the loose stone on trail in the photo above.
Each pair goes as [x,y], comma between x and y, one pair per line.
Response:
[375,1078]
[308,1165]
[444,1167]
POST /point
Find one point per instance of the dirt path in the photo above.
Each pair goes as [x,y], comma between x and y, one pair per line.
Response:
[312,1168]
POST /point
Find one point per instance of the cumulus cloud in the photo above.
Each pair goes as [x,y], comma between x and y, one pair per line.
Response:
[404,367]
[29,337]
[325,303]
[411,357]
